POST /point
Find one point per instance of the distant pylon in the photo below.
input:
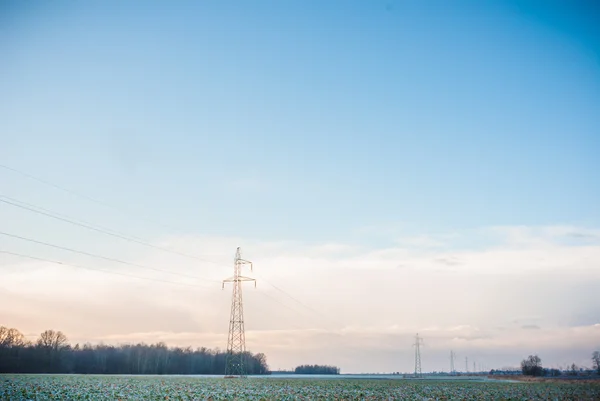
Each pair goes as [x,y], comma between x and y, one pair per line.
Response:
[236,341]
[466,364]
[417,346]
[452,356]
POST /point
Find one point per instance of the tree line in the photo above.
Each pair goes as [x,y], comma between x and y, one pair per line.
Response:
[532,366]
[317,370]
[51,353]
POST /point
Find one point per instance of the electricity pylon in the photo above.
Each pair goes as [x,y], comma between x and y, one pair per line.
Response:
[466,364]
[236,341]
[452,356]
[417,346]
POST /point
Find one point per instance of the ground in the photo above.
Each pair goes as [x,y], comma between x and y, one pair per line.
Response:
[80,387]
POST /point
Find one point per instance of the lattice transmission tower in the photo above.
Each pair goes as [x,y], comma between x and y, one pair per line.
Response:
[417,345]
[452,357]
[236,341]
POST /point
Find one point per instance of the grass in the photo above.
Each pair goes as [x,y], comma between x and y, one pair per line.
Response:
[78,387]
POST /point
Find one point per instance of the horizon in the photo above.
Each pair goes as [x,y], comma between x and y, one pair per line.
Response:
[32,340]
[390,168]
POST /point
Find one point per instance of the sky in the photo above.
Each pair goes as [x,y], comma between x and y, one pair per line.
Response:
[389,167]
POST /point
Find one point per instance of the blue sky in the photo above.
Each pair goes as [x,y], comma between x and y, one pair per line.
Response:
[374,134]
[304,121]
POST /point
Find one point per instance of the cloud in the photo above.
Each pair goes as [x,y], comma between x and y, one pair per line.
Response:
[334,302]
[448,261]
[583,235]
[423,242]
[545,235]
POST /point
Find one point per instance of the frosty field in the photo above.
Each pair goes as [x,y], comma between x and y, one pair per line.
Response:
[76,387]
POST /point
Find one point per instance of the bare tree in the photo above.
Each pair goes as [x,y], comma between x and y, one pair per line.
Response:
[11,343]
[53,343]
[52,340]
[11,338]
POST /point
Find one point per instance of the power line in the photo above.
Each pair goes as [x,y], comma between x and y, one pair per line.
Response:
[140,278]
[115,233]
[100,270]
[307,307]
[265,294]
[294,298]
[238,308]
[89,226]
[82,223]
[83,196]
[284,305]
[102,257]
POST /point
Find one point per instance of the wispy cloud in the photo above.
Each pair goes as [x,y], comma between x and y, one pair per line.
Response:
[530,327]
[511,297]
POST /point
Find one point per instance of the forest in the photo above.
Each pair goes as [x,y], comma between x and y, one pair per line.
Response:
[317,370]
[52,353]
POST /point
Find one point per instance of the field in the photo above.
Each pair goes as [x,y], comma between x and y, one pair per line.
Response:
[49,387]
